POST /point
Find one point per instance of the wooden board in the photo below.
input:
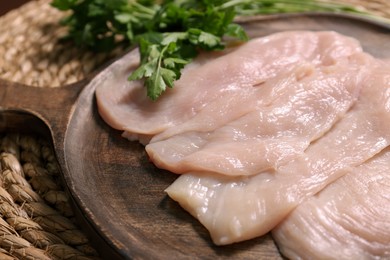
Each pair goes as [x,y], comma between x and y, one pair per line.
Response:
[118,194]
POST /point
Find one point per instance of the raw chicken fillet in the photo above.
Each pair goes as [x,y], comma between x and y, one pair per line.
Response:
[286,133]
[350,219]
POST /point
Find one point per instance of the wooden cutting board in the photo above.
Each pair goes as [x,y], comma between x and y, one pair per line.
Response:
[117,193]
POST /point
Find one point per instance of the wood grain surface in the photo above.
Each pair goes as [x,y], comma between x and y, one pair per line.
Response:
[119,195]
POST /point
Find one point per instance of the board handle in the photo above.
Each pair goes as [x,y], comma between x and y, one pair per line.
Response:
[22,106]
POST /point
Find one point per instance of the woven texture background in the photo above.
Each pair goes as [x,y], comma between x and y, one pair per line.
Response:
[36,219]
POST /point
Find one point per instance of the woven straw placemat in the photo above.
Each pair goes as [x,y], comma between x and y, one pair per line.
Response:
[36,219]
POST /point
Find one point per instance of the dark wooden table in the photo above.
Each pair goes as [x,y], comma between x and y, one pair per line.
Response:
[5,6]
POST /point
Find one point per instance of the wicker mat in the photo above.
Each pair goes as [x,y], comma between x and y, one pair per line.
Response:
[37,221]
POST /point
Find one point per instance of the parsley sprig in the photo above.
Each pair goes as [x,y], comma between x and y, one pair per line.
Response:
[180,29]
[169,33]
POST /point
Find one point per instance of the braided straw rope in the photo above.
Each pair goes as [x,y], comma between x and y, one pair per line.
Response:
[37,221]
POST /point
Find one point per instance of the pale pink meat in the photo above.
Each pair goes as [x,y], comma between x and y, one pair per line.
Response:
[306,102]
[236,209]
[349,219]
[284,131]
[124,105]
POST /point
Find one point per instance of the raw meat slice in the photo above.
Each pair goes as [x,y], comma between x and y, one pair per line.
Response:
[240,208]
[349,219]
[304,104]
[124,105]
